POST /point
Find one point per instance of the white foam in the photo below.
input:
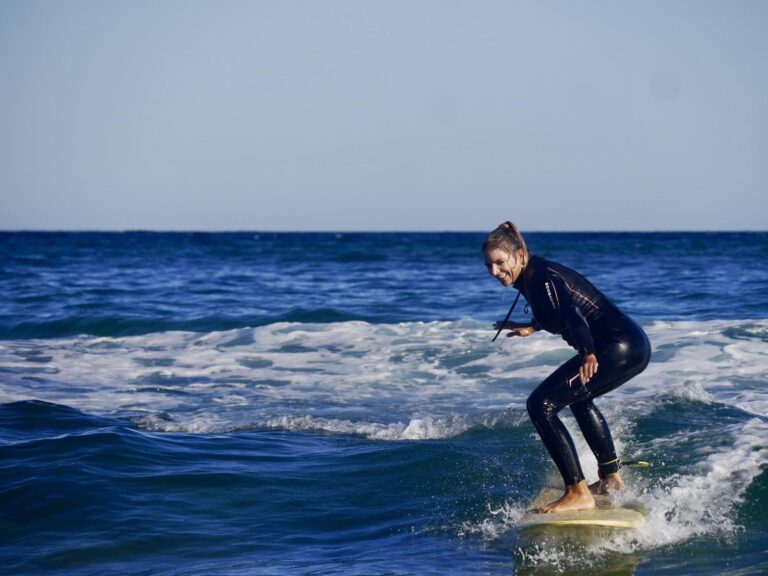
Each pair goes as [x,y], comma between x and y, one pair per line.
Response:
[415,429]
[373,430]
[419,381]
[412,373]
[702,500]
[698,502]
[495,525]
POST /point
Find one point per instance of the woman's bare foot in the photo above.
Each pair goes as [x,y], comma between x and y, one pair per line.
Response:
[576,497]
[611,483]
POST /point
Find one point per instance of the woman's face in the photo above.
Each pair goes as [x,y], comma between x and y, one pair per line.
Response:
[504,266]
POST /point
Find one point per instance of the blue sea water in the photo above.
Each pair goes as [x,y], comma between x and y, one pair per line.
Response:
[258,403]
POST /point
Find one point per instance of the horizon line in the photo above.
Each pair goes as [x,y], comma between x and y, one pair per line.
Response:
[351,231]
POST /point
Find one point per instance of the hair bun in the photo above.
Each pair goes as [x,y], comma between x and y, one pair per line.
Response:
[506,236]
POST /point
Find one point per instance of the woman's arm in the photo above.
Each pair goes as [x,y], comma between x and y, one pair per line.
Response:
[563,305]
[577,326]
[516,328]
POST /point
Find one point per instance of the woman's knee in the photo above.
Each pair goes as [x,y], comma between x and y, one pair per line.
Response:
[539,408]
[535,406]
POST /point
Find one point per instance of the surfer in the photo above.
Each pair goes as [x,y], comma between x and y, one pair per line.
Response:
[612,348]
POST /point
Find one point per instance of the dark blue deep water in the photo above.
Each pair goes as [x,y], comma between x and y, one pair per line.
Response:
[258,403]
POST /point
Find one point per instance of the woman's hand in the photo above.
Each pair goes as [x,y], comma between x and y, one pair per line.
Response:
[588,368]
[516,328]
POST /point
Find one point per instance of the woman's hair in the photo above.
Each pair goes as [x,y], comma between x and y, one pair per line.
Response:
[507,237]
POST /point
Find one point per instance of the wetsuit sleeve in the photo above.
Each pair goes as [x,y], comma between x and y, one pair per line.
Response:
[571,316]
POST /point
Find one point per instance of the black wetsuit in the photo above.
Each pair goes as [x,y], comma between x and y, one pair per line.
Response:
[564,302]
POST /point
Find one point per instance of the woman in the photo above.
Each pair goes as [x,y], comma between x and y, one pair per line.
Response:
[611,347]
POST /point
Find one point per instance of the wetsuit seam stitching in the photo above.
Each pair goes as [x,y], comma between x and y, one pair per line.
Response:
[573,290]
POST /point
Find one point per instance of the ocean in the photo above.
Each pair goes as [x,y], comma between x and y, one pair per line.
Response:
[319,403]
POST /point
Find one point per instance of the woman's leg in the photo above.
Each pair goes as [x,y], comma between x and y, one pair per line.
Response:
[544,403]
[595,430]
[619,361]
[551,396]
[597,434]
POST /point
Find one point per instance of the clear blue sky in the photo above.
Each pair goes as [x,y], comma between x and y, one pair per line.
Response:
[388,115]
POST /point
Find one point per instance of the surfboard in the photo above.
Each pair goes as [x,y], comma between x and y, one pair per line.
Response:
[605,514]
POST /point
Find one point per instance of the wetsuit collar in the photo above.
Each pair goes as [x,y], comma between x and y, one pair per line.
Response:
[526,274]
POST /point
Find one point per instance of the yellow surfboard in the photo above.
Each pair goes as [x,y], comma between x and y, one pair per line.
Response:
[604,515]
